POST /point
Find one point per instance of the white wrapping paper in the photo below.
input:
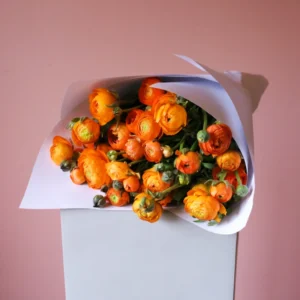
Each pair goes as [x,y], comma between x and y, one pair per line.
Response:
[231,97]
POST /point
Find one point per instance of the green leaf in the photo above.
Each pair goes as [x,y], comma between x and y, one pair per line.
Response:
[209,166]
[199,221]
[212,223]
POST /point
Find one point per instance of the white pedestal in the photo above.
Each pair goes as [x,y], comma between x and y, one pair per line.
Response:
[113,255]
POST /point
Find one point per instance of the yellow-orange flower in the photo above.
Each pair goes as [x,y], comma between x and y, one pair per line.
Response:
[77,176]
[60,150]
[221,192]
[131,184]
[198,190]
[188,163]
[146,128]
[86,131]
[171,116]
[117,197]
[117,170]
[204,208]
[230,160]
[146,208]
[148,94]
[152,180]
[92,163]
[99,101]
[118,135]
[220,136]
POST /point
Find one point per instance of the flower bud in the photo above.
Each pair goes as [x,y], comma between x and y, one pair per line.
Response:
[184,179]
[202,136]
[112,155]
[167,151]
[161,167]
[99,201]
[104,188]
[242,190]
[66,165]
[117,185]
[167,176]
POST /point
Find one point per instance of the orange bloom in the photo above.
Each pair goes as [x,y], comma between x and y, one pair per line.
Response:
[133,150]
[117,197]
[146,208]
[146,127]
[152,181]
[148,94]
[92,163]
[131,119]
[220,136]
[164,202]
[77,176]
[131,184]
[99,101]
[86,131]
[117,170]
[60,150]
[204,208]
[188,163]
[75,140]
[230,176]
[229,161]
[153,151]
[198,190]
[118,136]
[104,148]
[221,192]
[171,116]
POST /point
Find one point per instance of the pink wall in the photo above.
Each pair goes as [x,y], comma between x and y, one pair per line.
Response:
[47,45]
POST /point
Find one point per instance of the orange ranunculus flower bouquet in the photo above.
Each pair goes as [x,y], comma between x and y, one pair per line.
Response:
[182,143]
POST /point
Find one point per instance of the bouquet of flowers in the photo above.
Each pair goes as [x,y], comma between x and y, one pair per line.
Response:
[152,150]
[182,143]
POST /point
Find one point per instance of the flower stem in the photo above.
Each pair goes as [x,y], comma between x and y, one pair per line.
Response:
[238,178]
[168,190]
[136,162]
[129,109]
[180,143]
[194,146]
[204,119]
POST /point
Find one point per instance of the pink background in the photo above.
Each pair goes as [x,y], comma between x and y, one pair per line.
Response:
[47,45]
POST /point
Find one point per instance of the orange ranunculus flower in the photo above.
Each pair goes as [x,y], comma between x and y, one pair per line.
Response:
[230,176]
[100,100]
[222,211]
[164,202]
[117,197]
[146,128]
[188,163]
[220,136]
[152,181]
[75,140]
[132,118]
[153,151]
[131,184]
[103,147]
[118,135]
[148,94]
[86,131]
[133,150]
[92,163]
[77,176]
[221,192]
[60,150]
[117,170]
[230,160]
[204,208]
[198,190]
[146,208]
[171,116]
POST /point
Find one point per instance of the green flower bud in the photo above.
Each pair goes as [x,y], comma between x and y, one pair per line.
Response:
[202,136]
[242,190]
[161,167]
[99,201]
[112,155]
[184,179]
[104,188]
[167,176]
[117,185]
[66,165]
